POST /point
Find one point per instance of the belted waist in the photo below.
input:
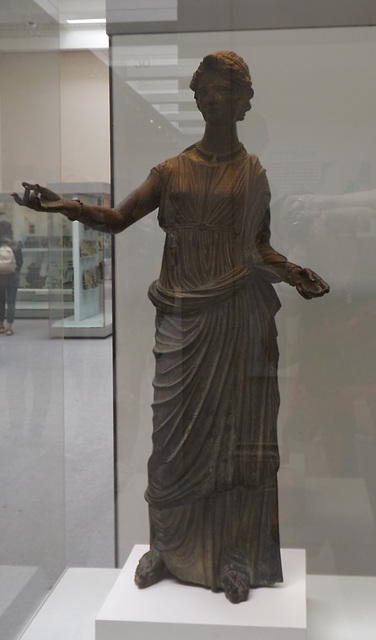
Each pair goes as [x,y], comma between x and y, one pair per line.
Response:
[192,300]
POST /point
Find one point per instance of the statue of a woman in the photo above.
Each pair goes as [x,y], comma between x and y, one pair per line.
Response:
[212,475]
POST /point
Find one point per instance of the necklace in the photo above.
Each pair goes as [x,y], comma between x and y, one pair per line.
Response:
[217,157]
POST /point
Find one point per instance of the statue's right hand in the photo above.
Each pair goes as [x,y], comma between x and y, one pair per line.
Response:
[38,198]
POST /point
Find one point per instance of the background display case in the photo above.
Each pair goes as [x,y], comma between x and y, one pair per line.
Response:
[81,269]
[66,274]
[41,253]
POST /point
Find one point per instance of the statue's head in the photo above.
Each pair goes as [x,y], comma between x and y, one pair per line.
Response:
[231,66]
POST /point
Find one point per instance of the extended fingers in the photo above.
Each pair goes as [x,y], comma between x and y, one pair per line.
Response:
[33,189]
[28,185]
[317,292]
[34,196]
[321,286]
[40,192]
[25,200]
[30,196]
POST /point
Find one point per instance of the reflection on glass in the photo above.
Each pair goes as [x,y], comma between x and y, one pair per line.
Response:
[80,271]
[32,546]
[32,469]
[316,136]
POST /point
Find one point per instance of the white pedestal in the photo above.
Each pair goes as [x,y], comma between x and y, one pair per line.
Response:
[170,610]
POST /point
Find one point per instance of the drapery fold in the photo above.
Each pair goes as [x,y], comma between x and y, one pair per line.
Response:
[216,394]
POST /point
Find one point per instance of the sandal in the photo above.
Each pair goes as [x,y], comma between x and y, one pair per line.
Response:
[9,332]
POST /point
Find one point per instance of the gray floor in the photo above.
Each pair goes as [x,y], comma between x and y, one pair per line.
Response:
[89,486]
[56,475]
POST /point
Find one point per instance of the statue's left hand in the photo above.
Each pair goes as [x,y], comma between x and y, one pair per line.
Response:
[309,284]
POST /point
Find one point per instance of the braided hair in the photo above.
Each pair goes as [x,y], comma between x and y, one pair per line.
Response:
[232,64]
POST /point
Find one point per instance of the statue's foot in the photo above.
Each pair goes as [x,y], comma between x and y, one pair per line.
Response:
[235,584]
[150,569]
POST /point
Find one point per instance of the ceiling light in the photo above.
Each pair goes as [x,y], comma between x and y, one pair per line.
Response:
[88,21]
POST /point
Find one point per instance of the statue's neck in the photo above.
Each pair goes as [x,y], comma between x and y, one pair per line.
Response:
[220,140]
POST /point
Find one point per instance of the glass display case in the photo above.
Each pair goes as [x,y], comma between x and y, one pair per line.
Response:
[32,473]
[80,269]
[311,125]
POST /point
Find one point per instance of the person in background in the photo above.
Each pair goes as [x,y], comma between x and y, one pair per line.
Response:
[10,267]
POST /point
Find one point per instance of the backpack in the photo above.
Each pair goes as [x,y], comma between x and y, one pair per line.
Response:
[7,260]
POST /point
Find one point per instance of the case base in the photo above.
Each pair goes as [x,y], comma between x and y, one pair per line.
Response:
[169,609]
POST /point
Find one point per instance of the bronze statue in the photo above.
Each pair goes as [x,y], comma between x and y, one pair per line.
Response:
[212,487]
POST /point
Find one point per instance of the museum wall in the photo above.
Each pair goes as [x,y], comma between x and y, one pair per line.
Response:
[85,117]
[34,148]
[30,130]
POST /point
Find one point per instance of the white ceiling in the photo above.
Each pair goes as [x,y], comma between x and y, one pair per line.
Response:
[29,18]
[40,25]
[80,9]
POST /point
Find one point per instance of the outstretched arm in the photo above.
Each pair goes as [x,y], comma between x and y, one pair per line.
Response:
[138,204]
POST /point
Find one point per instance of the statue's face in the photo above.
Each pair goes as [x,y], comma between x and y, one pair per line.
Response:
[216,100]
